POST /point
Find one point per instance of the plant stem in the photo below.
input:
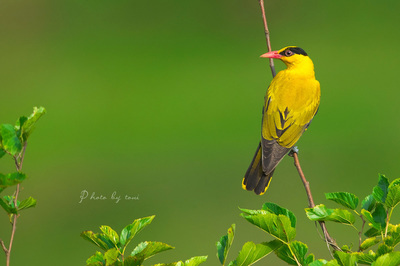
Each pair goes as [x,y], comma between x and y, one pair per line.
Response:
[388,215]
[18,164]
[306,184]
[14,226]
[294,256]
[271,61]
[3,246]
[360,233]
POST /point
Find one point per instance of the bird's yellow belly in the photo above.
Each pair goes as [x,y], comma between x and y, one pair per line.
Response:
[291,103]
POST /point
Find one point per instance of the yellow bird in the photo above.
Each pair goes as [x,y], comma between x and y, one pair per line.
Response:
[291,102]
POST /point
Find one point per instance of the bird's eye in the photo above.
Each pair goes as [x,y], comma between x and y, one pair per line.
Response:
[288,53]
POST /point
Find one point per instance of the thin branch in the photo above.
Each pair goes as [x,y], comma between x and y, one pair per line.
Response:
[387,220]
[3,246]
[14,227]
[271,61]
[303,178]
[18,164]
[306,184]
[23,155]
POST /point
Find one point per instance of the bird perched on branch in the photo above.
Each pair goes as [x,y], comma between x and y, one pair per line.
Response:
[291,102]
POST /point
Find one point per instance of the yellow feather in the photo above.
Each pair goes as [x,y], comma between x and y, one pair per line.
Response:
[294,94]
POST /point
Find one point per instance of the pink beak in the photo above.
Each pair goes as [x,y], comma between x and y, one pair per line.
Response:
[273,54]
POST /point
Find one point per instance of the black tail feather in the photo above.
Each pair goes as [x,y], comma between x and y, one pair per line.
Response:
[255,179]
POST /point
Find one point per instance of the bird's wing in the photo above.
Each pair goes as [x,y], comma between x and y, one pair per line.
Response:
[272,154]
[284,123]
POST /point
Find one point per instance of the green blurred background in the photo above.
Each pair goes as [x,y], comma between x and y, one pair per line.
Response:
[162,99]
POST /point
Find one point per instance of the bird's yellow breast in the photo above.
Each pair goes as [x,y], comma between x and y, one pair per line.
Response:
[295,93]
[291,102]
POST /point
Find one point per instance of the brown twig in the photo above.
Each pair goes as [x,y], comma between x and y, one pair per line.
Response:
[3,246]
[18,164]
[271,61]
[306,184]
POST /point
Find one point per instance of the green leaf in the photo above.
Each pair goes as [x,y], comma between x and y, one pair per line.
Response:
[389,259]
[276,225]
[20,122]
[379,215]
[99,240]
[321,213]
[342,216]
[319,262]
[251,253]
[378,194]
[346,248]
[178,263]
[365,258]
[111,256]
[253,212]
[380,191]
[11,179]
[393,237]
[10,141]
[296,248]
[393,196]
[148,249]
[368,216]
[10,200]
[7,205]
[195,261]
[377,218]
[29,125]
[96,259]
[395,183]
[310,258]
[345,259]
[372,232]
[224,244]
[132,261]
[27,203]
[324,262]
[369,242]
[318,213]
[333,263]
[132,229]
[111,234]
[368,203]
[383,249]
[345,199]
[190,262]
[276,209]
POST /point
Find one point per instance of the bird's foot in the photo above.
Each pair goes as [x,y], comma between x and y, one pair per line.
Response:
[293,150]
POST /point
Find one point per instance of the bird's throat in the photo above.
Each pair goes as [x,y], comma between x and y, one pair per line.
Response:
[303,67]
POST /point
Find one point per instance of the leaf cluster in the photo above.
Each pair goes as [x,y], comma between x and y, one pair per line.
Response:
[276,221]
[114,247]
[376,210]
[13,139]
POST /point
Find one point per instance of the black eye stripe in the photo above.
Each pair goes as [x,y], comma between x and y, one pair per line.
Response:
[295,50]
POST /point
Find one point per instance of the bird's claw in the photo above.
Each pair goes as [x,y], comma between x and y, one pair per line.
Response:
[293,150]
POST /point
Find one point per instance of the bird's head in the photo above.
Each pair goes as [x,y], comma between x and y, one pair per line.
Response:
[290,55]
